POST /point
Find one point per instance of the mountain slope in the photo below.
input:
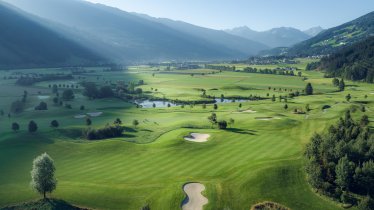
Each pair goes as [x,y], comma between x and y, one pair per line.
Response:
[123,36]
[244,45]
[276,37]
[314,31]
[333,39]
[24,43]
[355,62]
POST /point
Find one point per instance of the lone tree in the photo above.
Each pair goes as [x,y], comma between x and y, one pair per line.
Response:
[285,107]
[348,97]
[88,121]
[68,95]
[309,89]
[43,175]
[33,127]
[15,127]
[231,122]
[341,85]
[135,123]
[215,106]
[335,82]
[213,119]
[222,124]
[54,124]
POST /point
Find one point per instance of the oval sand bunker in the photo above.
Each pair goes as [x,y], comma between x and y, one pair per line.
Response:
[197,137]
[194,200]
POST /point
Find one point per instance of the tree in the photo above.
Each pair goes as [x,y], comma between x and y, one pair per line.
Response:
[106,92]
[204,106]
[348,97]
[68,94]
[43,175]
[341,85]
[42,106]
[285,107]
[82,107]
[231,122]
[88,121]
[309,89]
[364,120]
[213,119]
[215,106]
[33,127]
[55,100]
[240,105]
[54,124]
[343,173]
[222,124]
[90,90]
[366,203]
[15,127]
[335,82]
[118,121]
[54,89]
[273,98]
[154,105]
[135,123]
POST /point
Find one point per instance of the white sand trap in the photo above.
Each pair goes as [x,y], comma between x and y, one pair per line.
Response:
[250,111]
[194,200]
[372,93]
[79,116]
[43,97]
[94,114]
[197,137]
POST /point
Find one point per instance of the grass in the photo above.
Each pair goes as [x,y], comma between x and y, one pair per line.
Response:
[252,162]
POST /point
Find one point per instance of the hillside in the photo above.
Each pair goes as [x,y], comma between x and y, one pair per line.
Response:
[276,37]
[335,38]
[230,41]
[314,31]
[24,43]
[125,37]
[355,62]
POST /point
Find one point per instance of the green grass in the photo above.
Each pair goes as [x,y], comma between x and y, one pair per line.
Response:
[252,162]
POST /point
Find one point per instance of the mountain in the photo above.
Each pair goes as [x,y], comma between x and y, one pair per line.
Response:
[276,37]
[331,40]
[26,44]
[355,62]
[220,37]
[314,31]
[125,37]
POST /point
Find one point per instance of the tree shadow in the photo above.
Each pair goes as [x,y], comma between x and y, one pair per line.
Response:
[241,131]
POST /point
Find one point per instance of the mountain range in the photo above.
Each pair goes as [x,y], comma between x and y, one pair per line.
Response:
[276,37]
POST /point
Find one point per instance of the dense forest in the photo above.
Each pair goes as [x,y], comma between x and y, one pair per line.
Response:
[340,162]
[355,62]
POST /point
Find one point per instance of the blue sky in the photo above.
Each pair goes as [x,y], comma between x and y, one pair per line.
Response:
[256,14]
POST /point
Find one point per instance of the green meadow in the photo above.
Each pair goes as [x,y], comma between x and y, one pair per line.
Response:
[258,158]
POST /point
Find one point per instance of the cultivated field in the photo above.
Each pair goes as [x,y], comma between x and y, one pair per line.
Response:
[258,158]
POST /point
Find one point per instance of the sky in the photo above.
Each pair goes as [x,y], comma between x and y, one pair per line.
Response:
[256,14]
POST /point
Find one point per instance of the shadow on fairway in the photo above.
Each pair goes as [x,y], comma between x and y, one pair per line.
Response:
[241,131]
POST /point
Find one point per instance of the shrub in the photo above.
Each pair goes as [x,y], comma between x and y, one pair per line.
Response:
[222,124]
[103,133]
[42,106]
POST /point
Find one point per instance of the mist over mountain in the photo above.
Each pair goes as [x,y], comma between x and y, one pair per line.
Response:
[126,37]
[25,43]
[276,37]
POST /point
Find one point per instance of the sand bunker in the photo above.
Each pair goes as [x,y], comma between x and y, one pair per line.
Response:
[80,116]
[197,137]
[250,111]
[194,200]
[267,118]
[43,97]
[94,114]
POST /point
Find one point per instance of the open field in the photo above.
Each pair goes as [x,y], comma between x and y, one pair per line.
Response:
[252,161]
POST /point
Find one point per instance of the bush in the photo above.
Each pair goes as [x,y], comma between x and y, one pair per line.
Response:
[54,124]
[42,106]
[103,133]
[33,127]
[222,124]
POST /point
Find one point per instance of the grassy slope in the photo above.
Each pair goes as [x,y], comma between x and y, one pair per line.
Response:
[256,161]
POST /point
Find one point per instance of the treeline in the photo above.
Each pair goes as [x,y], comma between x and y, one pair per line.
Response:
[272,71]
[340,162]
[355,62]
[110,131]
[28,81]
[221,68]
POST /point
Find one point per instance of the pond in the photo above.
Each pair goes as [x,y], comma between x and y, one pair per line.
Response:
[163,104]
